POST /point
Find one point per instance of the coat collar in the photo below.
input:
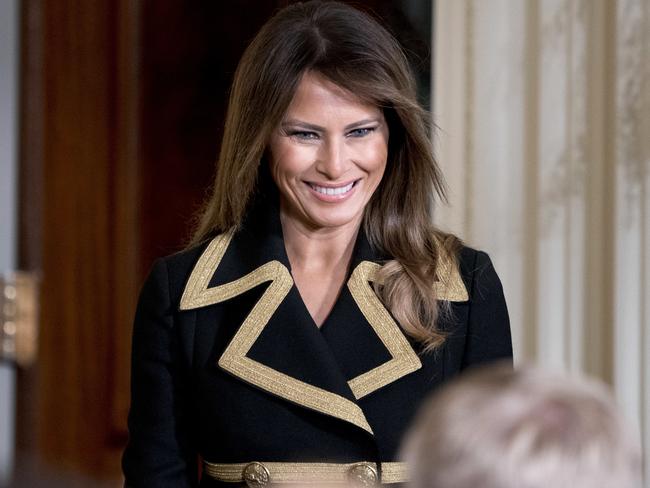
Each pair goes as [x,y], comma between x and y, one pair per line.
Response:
[278,348]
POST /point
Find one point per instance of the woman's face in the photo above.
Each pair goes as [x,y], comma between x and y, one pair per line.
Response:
[328,155]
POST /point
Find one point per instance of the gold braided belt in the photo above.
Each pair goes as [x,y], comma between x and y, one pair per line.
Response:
[259,475]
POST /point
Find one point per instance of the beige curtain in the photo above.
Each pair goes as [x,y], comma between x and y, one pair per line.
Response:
[543,110]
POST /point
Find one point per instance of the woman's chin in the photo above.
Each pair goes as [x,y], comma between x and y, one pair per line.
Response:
[333,219]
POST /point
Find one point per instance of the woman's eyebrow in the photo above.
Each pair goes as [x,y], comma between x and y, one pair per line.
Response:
[300,123]
[362,122]
[307,125]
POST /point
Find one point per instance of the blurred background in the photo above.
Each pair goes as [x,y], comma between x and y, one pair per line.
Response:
[111,113]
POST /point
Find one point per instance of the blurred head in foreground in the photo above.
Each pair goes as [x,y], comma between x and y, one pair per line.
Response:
[499,428]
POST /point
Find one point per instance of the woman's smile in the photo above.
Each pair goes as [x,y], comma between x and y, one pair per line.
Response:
[331,192]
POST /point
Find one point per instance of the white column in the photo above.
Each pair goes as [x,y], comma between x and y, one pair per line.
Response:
[632,213]
[552,183]
[9,36]
[448,108]
[562,182]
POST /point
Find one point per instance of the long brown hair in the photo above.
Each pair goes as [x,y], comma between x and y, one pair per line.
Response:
[355,52]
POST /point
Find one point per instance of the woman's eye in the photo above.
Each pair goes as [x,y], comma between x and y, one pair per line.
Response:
[304,135]
[361,132]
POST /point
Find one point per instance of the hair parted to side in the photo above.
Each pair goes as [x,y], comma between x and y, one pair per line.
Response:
[354,51]
[499,428]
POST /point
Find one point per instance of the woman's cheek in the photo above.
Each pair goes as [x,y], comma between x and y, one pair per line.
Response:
[296,159]
[373,156]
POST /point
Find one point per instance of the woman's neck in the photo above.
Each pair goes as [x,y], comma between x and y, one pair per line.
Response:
[312,250]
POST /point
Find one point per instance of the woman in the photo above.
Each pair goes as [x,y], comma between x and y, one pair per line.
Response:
[318,305]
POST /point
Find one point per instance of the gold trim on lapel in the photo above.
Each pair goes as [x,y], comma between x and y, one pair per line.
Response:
[450,286]
[234,359]
[404,359]
[196,293]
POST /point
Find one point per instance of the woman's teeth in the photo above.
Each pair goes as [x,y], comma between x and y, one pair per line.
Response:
[332,191]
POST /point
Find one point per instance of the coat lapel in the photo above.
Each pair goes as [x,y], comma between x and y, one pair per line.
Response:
[277,348]
[368,343]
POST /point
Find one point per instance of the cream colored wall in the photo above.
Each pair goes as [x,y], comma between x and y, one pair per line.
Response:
[544,115]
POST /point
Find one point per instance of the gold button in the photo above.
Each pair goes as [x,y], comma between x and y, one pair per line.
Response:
[256,475]
[363,474]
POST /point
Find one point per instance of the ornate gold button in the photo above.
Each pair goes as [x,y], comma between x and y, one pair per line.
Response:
[256,475]
[363,474]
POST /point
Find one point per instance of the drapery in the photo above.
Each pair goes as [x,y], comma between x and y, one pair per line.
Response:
[543,132]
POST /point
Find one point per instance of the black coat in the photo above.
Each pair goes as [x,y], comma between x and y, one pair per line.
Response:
[228,364]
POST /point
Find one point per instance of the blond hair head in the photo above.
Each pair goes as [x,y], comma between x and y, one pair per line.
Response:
[499,428]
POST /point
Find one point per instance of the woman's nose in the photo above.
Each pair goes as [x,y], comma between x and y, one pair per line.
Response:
[333,160]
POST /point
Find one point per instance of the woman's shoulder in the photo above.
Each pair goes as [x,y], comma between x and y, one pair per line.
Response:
[176,268]
[458,261]
[472,260]
[478,272]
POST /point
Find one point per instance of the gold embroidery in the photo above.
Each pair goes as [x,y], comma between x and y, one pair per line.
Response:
[450,286]
[394,472]
[404,359]
[234,360]
[234,357]
[196,293]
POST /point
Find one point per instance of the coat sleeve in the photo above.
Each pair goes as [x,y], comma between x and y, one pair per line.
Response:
[159,452]
[488,334]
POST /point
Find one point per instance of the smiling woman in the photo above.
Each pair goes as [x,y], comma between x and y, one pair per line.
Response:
[318,305]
